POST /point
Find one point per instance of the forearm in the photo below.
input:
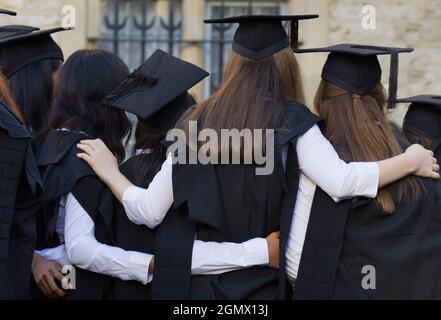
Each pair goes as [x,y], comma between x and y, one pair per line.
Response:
[118,184]
[394,169]
[112,261]
[216,258]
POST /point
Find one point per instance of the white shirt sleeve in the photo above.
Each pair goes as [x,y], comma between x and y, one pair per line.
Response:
[149,206]
[57,254]
[320,162]
[216,258]
[84,251]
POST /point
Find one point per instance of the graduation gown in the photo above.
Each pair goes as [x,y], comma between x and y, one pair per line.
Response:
[226,203]
[354,250]
[437,153]
[130,236]
[20,194]
[62,173]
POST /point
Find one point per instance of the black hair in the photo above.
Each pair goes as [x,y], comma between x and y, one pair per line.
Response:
[84,80]
[150,134]
[32,90]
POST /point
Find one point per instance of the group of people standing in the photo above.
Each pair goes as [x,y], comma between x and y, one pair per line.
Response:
[348,190]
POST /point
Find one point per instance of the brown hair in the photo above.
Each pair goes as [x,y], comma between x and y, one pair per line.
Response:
[252,94]
[5,94]
[358,128]
[414,138]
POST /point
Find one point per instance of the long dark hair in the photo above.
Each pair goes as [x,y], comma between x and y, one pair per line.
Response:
[150,133]
[84,80]
[359,131]
[32,89]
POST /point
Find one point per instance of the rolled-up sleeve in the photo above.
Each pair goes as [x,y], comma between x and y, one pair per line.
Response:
[319,161]
[149,206]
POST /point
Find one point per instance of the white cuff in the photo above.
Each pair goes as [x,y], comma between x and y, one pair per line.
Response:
[256,252]
[368,174]
[139,263]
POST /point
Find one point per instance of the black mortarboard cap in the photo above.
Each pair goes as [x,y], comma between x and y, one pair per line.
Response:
[155,86]
[8,12]
[24,45]
[356,68]
[423,116]
[260,36]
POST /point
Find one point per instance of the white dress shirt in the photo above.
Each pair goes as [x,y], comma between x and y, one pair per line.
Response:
[320,165]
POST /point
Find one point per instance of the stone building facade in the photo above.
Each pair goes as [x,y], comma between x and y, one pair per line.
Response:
[413,23]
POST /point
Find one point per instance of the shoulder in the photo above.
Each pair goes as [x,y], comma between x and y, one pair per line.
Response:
[58,146]
[295,120]
[58,163]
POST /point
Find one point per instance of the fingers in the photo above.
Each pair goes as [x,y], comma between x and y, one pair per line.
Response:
[434,175]
[94,144]
[41,283]
[435,167]
[86,148]
[85,157]
[55,290]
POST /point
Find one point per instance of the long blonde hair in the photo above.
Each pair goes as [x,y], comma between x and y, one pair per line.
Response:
[252,94]
[358,128]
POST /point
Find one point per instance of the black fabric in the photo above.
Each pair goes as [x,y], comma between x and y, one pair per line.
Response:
[423,118]
[260,36]
[224,203]
[403,248]
[96,199]
[355,67]
[60,170]
[130,236]
[24,45]
[63,172]
[322,247]
[149,90]
[20,193]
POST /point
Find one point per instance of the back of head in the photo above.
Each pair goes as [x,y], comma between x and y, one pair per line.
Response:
[422,124]
[32,88]
[252,95]
[84,80]
[357,126]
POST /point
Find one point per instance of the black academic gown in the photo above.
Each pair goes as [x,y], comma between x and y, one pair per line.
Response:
[62,173]
[438,154]
[130,236]
[225,203]
[344,241]
[20,194]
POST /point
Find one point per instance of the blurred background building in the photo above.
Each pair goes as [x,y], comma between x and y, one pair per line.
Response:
[135,28]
